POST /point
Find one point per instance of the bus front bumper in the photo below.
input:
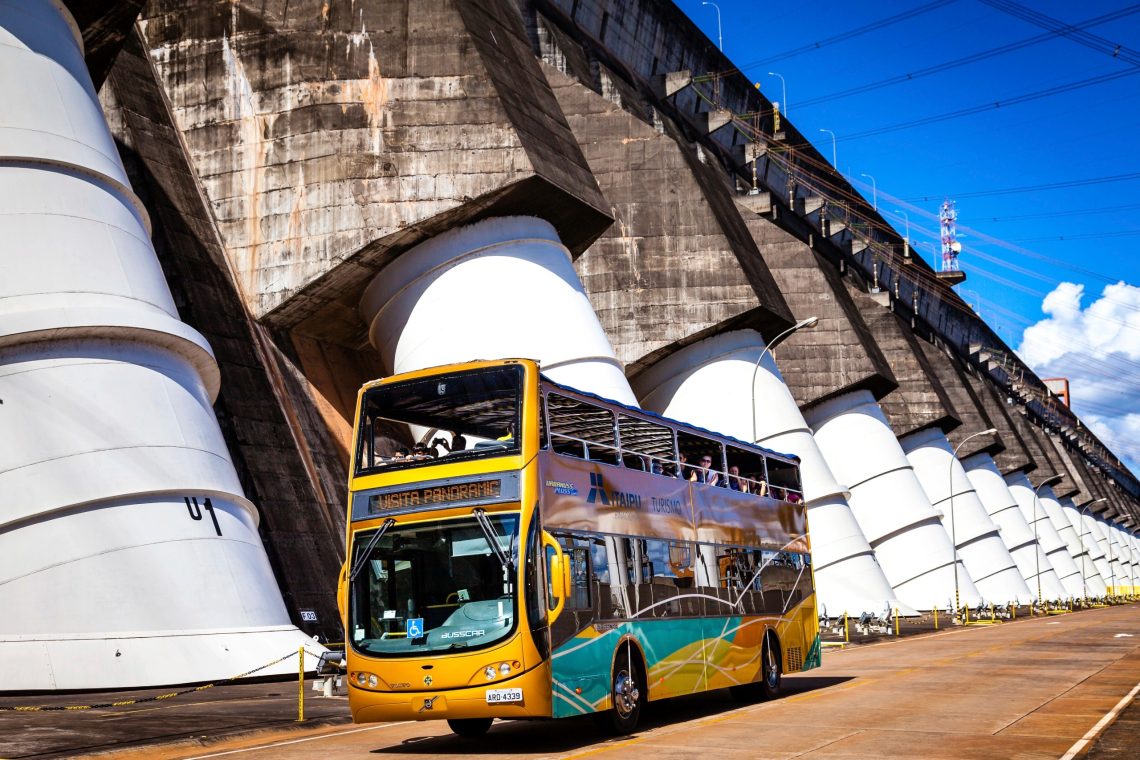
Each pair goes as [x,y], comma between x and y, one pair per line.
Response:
[471,702]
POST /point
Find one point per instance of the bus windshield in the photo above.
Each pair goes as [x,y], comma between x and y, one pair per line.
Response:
[457,416]
[434,586]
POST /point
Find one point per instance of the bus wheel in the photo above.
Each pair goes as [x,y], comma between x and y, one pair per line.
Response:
[470,728]
[770,668]
[628,693]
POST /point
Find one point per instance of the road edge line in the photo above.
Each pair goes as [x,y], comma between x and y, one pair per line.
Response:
[1102,724]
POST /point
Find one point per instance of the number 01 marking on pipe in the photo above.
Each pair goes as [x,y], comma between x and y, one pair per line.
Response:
[196,511]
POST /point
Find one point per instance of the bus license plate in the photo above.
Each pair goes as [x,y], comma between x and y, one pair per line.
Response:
[500,696]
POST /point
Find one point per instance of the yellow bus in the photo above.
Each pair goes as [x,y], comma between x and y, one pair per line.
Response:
[521,549]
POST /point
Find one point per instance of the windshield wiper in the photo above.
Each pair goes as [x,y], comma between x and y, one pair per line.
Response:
[492,539]
[360,560]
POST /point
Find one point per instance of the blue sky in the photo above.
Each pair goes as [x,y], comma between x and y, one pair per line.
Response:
[1053,270]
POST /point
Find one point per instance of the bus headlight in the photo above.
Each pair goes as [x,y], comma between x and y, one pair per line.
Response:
[365,679]
[505,668]
[490,672]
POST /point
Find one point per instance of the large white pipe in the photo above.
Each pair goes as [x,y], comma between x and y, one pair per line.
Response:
[128,554]
[1092,581]
[1118,574]
[1039,514]
[1134,547]
[1002,507]
[1068,533]
[1127,558]
[978,538]
[503,287]
[710,383]
[1099,549]
[892,509]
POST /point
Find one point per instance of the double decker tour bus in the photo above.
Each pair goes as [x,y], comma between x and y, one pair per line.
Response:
[520,549]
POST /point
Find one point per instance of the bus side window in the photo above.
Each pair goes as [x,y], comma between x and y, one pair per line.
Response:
[647,446]
[579,557]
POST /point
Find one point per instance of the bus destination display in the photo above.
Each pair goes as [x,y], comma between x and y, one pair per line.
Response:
[434,496]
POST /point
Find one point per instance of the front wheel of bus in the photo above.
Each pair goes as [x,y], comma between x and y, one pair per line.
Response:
[470,728]
[770,669]
[628,693]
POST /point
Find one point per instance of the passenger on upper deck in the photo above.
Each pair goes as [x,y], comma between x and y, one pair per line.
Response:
[735,482]
[458,443]
[704,473]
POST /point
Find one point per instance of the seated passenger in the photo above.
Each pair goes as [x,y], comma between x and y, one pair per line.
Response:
[735,482]
[510,436]
[704,474]
[458,443]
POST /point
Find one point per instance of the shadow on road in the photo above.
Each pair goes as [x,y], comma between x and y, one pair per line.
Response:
[545,736]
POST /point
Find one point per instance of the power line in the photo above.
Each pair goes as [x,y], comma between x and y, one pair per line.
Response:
[1088,236]
[1031,188]
[1088,39]
[995,105]
[873,26]
[1057,214]
[965,60]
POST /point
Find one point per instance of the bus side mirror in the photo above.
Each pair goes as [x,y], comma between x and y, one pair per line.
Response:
[342,594]
[557,574]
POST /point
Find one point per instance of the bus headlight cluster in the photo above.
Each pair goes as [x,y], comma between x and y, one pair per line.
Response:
[494,671]
[365,679]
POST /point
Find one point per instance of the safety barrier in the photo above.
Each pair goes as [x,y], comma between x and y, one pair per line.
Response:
[300,654]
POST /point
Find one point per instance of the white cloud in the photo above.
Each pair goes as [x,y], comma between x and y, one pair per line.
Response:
[1098,350]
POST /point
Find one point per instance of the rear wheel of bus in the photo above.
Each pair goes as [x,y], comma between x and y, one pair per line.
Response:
[627,689]
[470,728]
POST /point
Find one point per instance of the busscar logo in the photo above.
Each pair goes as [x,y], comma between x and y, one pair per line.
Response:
[562,488]
[599,495]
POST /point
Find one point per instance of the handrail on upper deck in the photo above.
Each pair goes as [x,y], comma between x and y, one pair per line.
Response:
[756,487]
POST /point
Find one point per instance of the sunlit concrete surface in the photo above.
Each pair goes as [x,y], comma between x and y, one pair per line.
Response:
[1026,689]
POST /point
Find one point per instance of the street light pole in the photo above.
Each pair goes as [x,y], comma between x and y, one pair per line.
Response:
[954,525]
[783,90]
[1049,481]
[906,218]
[809,322]
[874,190]
[834,160]
[1085,547]
[719,36]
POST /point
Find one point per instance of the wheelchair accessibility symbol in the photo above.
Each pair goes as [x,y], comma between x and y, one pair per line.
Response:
[415,628]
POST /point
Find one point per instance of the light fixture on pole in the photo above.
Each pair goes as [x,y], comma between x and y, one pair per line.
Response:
[834,160]
[1085,547]
[783,90]
[719,36]
[809,322]
[1052,480]
[874,190]
[906,218]
[953,525]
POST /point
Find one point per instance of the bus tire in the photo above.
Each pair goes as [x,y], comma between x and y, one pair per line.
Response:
[770,675]
[470,728]
[628,691]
